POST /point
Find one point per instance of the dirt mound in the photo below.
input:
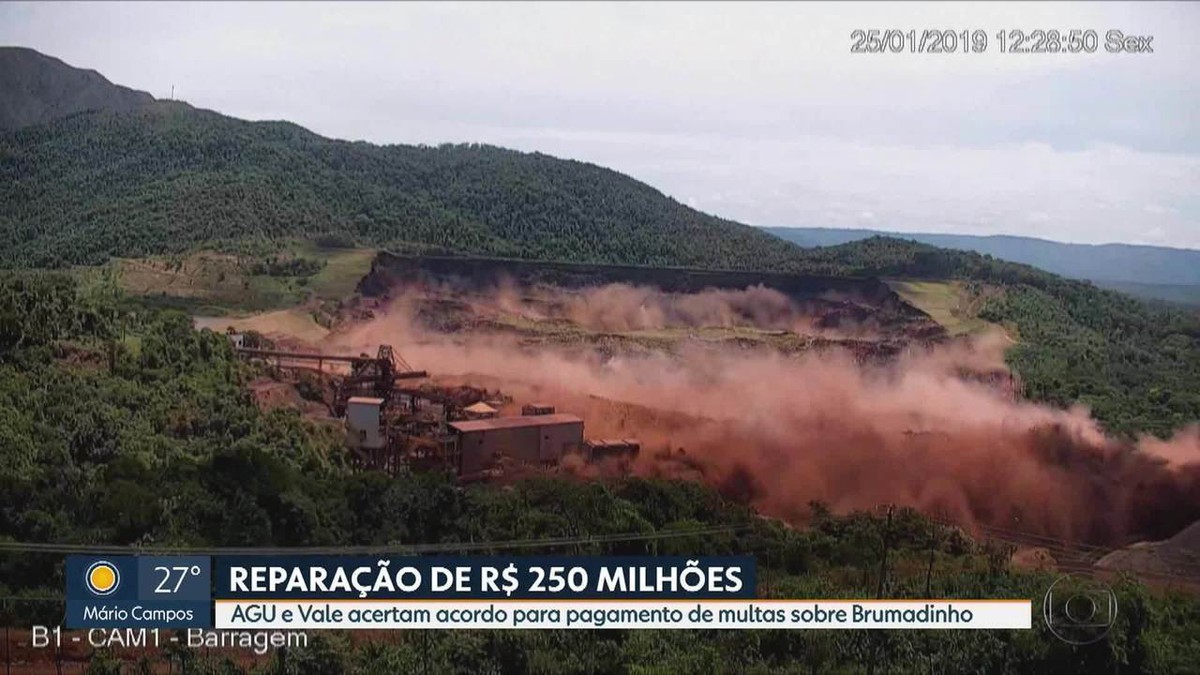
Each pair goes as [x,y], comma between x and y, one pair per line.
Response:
[1187,541]
[282,325]
[269,394]
[1177,557]
[1035,559]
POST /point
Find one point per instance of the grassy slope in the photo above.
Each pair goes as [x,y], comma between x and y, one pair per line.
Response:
[295,322]
[950,303]
[213,283]
[343,269]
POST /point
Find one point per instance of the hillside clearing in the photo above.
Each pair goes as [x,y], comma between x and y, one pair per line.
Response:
[214,283]
[295,323]
[951,303]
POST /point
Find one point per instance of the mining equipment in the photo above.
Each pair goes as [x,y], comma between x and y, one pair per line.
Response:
[368,376]
[396,425]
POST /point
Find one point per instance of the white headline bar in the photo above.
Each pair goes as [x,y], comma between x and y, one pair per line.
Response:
[682,614]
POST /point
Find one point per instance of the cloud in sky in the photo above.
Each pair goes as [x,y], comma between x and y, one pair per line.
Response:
[756,112]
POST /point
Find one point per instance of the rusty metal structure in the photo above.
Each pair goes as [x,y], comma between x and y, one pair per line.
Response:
[368,376]
[392,424]
[396,425]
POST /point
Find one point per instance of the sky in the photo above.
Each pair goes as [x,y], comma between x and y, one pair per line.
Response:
[755,112]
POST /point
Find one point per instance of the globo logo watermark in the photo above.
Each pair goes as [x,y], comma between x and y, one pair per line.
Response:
[1079,610]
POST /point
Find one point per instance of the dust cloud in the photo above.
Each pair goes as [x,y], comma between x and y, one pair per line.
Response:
[619,307]
[781,431]
[622,307]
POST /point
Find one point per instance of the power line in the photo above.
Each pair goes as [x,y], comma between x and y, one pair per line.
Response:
[993,529]
[444,547]
[1088,554]
[1080,549]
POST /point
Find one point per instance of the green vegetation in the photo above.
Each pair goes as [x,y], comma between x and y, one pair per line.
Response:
[282,266]
[1136,364]
[1179,294]
[162,446]
[340,273]
[1138,369]
[208,283]
[169,179]
[205,280]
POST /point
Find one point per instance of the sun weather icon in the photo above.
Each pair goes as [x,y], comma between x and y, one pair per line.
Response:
[102,577]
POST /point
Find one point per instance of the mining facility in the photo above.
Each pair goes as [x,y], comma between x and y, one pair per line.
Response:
[397,421]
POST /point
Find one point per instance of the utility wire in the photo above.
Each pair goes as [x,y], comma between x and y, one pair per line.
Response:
[1087,554]
[443,547]
[1078,548]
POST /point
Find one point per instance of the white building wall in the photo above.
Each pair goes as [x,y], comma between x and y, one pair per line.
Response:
[362,424]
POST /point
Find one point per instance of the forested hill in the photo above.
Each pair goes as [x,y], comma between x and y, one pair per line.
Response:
[35,88]
[170,177]
[1136,365]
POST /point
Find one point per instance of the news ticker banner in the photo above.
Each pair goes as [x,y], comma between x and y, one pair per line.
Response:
[344,592]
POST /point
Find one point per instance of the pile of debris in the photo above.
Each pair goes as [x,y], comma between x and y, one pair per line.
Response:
[1177,558]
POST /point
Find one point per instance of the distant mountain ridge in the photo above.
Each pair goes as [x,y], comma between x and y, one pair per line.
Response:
[1147,271]
[37,88]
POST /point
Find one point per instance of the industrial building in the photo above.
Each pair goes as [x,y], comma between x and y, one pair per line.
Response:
[396,428]
[364,424]
[537,409]
[480,411]
[621,449]
[529,439]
